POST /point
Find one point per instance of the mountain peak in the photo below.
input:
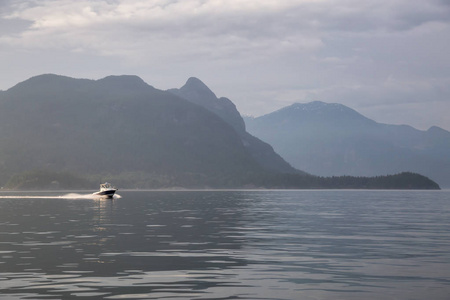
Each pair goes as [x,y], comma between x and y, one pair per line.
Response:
[43,79]
[196,88]
[438,133]
[436,129]
[326,109]
[317,112]
[197,92]
[317,106]
[47,82]
[124,81]
[59,82]
[195,82]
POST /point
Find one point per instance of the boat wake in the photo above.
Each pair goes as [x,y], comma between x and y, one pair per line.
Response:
[73,196]
[86,196]
[77,196]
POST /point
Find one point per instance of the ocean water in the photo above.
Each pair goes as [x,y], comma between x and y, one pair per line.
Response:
[226,245]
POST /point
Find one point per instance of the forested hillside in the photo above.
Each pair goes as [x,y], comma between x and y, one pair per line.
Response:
[60,132]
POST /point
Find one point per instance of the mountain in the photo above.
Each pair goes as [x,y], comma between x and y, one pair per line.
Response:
[60,132]
[197,92]
[330,139]
[118,127]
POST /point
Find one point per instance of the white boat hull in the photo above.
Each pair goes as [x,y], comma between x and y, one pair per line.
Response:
[107,193]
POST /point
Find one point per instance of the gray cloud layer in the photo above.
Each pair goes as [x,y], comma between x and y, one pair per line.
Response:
[387,59]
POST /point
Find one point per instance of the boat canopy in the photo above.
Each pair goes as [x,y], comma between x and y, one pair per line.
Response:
[106,186]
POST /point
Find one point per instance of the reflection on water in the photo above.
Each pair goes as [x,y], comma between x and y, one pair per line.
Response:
[227,245]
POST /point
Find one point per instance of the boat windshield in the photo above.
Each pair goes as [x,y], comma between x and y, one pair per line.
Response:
[106,185]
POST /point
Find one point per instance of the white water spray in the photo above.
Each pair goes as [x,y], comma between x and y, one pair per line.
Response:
[72,196]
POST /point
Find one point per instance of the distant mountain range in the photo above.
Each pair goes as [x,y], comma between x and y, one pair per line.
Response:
[330,139]
[61,132]
[123,128]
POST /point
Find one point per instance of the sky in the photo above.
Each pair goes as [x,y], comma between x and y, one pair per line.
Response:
[387,59]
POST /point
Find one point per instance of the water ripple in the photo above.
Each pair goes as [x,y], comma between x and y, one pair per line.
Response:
[228,245]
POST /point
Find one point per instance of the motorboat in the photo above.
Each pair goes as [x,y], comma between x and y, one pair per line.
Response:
[106,190]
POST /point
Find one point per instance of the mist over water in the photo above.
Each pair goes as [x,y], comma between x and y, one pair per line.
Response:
[227,245]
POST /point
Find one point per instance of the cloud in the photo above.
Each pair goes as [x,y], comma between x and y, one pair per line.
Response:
[235,27]
[289,25]
[119,26]
[263,54]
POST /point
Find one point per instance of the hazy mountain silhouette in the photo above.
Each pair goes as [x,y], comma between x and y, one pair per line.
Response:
[117,124]
[122,125]
[60,132]
[332,139]
[197,92]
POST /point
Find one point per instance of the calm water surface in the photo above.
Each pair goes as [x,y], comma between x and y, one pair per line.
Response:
[226,245]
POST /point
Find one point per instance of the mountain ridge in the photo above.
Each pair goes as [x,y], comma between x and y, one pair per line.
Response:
[57,123]
[198,93]
[119,124]
[121,129]
[334,140]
